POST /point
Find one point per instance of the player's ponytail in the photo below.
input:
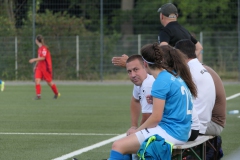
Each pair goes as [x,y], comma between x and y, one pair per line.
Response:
[40,39]
[174,61]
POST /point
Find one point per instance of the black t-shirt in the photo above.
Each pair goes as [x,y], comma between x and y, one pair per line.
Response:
[173,32]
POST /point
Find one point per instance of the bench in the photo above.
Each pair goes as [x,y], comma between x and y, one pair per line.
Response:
[189,148]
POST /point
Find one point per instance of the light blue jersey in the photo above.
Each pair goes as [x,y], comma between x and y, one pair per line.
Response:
[176,120]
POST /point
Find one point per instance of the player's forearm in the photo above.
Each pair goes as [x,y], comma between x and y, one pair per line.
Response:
[156,116]
[145,116]
[149,123]
[134,118]
[135,110]
[39,59]
[36,59]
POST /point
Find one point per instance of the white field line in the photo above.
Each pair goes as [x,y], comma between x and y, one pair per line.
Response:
[60,134]
[80,151]
[233,96]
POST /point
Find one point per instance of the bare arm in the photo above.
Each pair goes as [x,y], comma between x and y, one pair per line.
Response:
[135,109]
[145,116]
[156,116]
[199,48]
[36,59]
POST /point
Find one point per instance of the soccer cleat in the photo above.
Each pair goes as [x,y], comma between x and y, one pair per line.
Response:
[56,96]
[2,86]
[37,98]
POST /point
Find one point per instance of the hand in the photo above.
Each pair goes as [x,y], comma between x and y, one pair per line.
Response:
[131,130]
[31,60]
[149,99]
[120,61]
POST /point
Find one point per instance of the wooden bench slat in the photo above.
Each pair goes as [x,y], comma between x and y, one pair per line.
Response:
[199,140]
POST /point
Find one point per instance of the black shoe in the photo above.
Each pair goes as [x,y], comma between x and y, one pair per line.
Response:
[56,96]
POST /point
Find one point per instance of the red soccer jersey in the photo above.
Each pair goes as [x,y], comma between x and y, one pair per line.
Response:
[45,65]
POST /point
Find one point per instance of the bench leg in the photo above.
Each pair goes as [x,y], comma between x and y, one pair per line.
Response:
[214,146]
[177,154]
[204,150]
[196,155]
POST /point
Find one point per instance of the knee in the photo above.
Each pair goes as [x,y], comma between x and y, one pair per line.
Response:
[50,84]
[37,81]
[116,145]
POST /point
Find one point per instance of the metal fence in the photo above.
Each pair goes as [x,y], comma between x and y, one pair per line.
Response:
[79,58]
[84,35]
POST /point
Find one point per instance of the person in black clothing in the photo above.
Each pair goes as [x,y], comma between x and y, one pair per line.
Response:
[172,31]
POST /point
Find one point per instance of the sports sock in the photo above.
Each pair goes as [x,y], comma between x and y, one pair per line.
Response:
[115,155]
[127,157]
[38,90]
[54,89]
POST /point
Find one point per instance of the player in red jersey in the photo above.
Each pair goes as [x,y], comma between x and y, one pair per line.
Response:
[43,68]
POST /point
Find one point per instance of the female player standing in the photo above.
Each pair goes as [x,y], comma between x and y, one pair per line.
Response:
[43,68]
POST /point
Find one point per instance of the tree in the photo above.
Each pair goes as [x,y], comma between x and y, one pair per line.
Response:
[208,16]
[127,25]
[20,12]
[8,8]
[203,15]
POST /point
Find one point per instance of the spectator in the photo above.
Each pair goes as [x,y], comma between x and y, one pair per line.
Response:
[218,120]
[204,82]
[173,31]
[218,115]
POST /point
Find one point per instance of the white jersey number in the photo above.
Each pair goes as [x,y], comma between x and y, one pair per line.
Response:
[185,91]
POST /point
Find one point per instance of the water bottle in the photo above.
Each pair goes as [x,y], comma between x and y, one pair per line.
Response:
[233,112]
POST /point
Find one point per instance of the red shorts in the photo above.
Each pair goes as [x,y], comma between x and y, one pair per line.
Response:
[47,76]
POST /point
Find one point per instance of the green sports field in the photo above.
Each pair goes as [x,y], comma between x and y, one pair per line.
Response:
[84,115]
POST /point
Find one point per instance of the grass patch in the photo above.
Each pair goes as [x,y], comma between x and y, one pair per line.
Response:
[100,109]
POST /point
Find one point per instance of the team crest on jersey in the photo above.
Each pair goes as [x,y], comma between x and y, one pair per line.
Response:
[44,52]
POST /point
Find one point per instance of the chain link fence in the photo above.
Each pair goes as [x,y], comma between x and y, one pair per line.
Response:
[84,35]
[78,57]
